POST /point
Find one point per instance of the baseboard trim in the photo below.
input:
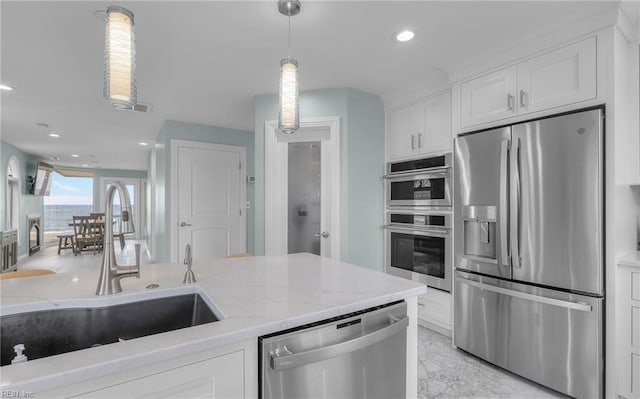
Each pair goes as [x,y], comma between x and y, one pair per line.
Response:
[440,329]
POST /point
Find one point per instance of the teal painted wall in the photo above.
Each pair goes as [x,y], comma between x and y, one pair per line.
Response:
[194,132]
[362,166]
[29,204]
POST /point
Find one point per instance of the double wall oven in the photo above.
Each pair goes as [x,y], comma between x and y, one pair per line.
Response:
[418,235]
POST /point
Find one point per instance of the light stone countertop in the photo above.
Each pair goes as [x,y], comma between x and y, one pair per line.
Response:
[631,259]
[256,295]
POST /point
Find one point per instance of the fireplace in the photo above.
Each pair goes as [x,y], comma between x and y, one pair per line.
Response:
[33,231]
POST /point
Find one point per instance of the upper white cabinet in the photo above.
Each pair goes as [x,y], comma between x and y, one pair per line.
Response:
[403,128]
[437,124]
[420,128]
[488,98]
[563,76]
[560,77]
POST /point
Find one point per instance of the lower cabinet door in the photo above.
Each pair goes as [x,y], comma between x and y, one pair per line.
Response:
[220,377]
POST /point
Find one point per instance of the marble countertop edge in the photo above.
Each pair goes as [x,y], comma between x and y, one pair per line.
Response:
[630,259]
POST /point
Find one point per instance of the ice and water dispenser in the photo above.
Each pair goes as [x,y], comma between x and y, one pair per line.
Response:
[480,239]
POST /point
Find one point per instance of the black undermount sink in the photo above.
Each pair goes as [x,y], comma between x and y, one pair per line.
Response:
[52,332]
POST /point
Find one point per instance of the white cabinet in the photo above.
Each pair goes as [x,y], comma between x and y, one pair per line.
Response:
[224,372]
[563,76]
[420,128]
[405,124]
[437,125]
[489,98]
[559,77]
[629,330]
[434,311]
[220,377]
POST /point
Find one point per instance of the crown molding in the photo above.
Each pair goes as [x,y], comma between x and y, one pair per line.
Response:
[530,45]
[436,81]
[628,24]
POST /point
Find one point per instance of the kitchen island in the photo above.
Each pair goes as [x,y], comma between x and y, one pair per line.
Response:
[254,296]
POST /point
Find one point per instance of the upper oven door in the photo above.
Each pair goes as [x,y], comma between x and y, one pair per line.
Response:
[420,189]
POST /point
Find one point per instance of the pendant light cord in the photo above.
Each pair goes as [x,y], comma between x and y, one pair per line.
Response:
[289,39]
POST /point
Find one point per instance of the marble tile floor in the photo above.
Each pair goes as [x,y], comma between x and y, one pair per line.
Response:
[48,258]
[445,372]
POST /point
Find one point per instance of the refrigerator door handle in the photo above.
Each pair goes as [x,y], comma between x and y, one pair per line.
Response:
[515,214]
[504,234]
[584,307]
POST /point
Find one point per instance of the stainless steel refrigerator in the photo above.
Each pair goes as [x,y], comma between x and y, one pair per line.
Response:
[529,280]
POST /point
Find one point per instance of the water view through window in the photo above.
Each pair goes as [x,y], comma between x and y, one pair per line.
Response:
[70,196]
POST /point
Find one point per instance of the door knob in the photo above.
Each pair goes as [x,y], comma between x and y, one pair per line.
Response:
[183,224]
[324,234]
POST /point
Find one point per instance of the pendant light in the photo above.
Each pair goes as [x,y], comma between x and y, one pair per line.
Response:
[119,58]
[288,116]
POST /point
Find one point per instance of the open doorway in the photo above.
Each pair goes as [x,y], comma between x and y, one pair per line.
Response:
[304,198]
[302,188]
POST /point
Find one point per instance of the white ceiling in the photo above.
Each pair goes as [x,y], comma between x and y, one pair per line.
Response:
[203,62]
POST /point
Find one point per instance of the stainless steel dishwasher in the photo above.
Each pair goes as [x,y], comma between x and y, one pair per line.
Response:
[359,355]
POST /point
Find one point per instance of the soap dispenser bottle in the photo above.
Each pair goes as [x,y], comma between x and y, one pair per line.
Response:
[20,358]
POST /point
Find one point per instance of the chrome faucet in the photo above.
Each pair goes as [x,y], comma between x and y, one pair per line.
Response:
[111,272]
[189,277]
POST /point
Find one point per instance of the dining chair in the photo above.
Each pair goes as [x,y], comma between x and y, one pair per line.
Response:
[88,233]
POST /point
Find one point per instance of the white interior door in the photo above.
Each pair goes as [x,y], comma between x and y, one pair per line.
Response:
[138,204]
[211,196]
[289,204]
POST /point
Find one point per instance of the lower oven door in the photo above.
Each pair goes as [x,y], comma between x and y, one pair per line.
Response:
[361,356]
[420,254]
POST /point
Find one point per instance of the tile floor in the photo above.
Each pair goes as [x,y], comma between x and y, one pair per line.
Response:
[443,372]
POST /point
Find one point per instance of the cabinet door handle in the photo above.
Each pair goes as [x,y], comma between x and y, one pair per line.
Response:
[419,140]
[510,102]
[523,96]
[413,141]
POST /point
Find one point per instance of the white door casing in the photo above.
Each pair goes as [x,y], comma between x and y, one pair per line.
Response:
[327,131]
[208,199]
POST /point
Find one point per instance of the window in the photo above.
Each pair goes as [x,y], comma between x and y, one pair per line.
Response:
[70,196]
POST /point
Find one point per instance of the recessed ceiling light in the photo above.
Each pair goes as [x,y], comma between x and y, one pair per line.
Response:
[54,135]
[84,165]
[42,125]
[5,87]
[142,143]
[55,158]
[75,155]
[405,36]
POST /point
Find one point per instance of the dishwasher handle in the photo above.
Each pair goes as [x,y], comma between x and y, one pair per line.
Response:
[284,362]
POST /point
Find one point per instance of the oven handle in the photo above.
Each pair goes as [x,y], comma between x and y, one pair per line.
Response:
[279,363]
[424,172]
[418,231]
